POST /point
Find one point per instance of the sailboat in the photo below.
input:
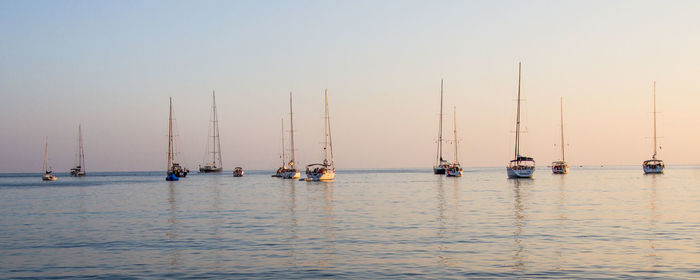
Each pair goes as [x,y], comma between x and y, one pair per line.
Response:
[454,169]
[213,163]
[323,171]
[45,170]
[561,167]
[654,165]
[440,163]
[521,166]
[79,169]
[279,171]
[291,172]
[175,170]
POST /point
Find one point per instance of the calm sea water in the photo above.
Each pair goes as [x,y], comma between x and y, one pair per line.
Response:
[592,223]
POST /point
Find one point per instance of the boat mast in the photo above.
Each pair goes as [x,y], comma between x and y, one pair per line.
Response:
[284,160]
[654,156]
[170,135]
[456,160]
[46,156]
[561,108]
[328,143]
[517,120]
[291,131]
[439,156]
[81,154]
[216,142]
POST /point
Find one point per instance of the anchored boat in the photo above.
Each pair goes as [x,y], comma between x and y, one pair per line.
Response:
[520,166]
[454,169]
[323,171]
[175,170]
[46,169]
[654,165]
[213,152]
[290,171]
[561,167]
[441,164]
[79,169]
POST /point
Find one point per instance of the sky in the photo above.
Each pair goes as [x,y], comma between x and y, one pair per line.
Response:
[112,65]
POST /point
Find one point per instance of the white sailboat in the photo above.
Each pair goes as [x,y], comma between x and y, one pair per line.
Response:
[79,169]
[654,165]
[46,169]
[279,171]
[454,169]
[440,163]
[521,166]
[323,171]
[561,167]
[291,171]
[213,153]
[175,170]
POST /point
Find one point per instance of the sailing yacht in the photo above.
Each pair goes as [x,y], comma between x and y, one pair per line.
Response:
[45,170]
[79,169]
[175,170]
[279,171]
[440,163]
[561,167]
[291,172]
[521,166]
[213,153]
[454,169]
[323,171]
[654,165]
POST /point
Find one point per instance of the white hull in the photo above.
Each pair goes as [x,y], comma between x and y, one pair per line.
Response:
[452,173]
[520,173]
[328,175]
[291,175]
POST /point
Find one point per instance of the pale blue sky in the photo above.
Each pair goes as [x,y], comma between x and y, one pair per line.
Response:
[112,65]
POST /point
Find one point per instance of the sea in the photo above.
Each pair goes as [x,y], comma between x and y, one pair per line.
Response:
[609,222]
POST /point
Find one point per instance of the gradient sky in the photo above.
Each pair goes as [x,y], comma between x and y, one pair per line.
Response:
[111,65]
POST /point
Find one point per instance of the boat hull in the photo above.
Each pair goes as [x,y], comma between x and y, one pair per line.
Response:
[559,167]
[49,178]
[328,175]
[564,170]
[451,173]
[294,174]
[653,166]
[207,169]
[520,173]
[171,177]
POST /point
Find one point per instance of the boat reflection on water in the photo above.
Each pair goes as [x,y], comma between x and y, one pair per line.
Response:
[654,235]
[173,227]
[520,195]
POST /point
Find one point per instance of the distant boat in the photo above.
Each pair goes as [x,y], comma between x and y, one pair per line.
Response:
[561,167]
[213,152]
[323,171]
[291,172]
[238,172]
[654,165]
[175,171]
[520,166]
[440,163]
[79,169]
[46,169]
[279,171]
[454,169]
